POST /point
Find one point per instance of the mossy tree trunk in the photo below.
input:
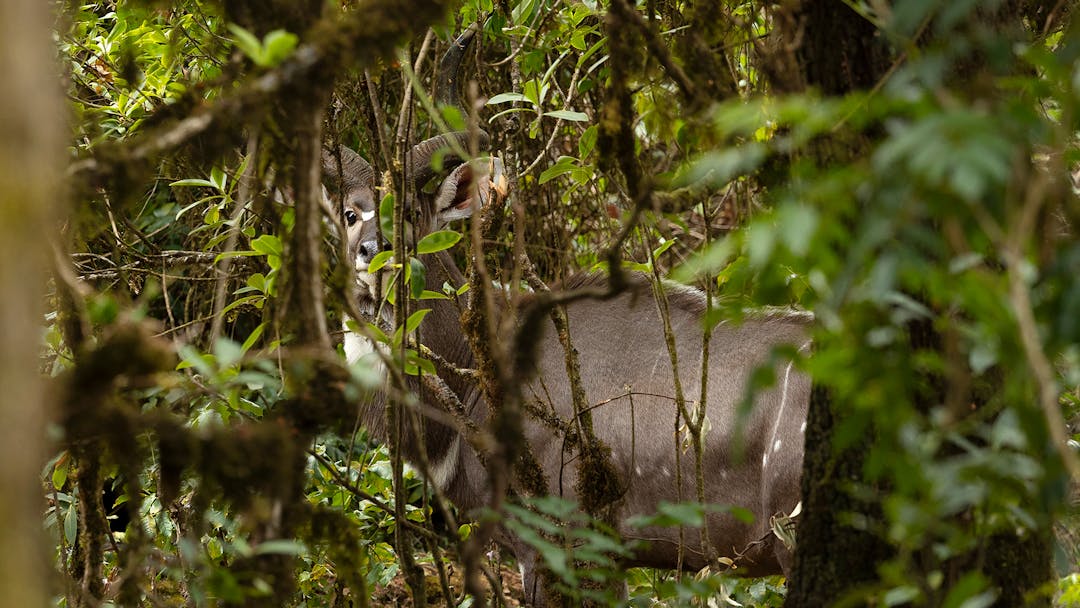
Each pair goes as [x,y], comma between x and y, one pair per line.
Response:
[836,51]
[30,152]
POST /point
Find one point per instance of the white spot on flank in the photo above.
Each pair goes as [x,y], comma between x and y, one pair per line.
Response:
[637,470]
[367,215]
[776,446]
[802,429]
[779,410]
[665,472]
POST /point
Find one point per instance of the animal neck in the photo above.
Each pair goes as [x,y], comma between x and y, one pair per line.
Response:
[441,333]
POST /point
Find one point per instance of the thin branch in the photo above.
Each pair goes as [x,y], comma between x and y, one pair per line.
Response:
[658,49]
[354,489]
[360,38]
[243,195]
[1020,299]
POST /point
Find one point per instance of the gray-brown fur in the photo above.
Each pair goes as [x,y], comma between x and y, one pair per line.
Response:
[750,459]
[753,462]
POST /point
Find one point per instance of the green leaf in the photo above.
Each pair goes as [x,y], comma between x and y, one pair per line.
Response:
[219,178]
[554,556]
[718,168]
[71,522]
[267,244]
[227,352]
[568,115]
[453,117]
[246,42]
[506,98]
[432,295]
[379,260]
[970,592]
[234,254]
[103,309]
[533,92]
[60,473]
[587,141]
[415,318]
[417,278]
[279,44]
[193,182]
[691,514]
[256,282]
[438,241]
[760,242]
[253,337]
[564,165]
[797,224]
[411,324]
[386,217]
[707,261]
[464,531]
[374,331]
[663,247]
[281,546]
[414,364]
[255,300]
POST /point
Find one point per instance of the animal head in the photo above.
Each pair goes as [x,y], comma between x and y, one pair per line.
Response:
[433,198]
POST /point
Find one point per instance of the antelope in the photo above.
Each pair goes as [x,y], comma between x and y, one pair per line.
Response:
[751,460]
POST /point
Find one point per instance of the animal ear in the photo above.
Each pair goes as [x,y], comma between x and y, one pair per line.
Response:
[468,187]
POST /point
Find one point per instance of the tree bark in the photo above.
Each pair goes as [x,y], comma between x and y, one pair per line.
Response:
[832,557]
[30,150]
[837,52]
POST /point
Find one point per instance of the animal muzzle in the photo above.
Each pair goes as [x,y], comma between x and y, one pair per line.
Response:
[365,252]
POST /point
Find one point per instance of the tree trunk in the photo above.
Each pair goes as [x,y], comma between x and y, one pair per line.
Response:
[838,51]
[832,557]
[29,154]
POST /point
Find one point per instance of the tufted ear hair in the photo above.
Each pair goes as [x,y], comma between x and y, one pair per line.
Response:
[468,187]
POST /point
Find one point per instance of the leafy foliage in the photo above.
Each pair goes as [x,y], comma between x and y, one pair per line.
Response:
[953,208]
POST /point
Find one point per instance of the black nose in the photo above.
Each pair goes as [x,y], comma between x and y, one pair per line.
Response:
[368,250]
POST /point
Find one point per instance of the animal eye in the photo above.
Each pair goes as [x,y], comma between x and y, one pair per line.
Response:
[350,217]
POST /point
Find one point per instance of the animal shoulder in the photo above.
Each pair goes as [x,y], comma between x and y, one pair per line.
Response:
[640,285]
[684,297]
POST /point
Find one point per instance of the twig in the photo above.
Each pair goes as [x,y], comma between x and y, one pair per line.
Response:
[361,38]
[1025,320]
[242,196]
[355,490]
[659,50]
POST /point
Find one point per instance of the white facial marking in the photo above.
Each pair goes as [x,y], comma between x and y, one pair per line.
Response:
[802,429]
[637,470]
[364,278]
[367,215]
[776,446]
[764,460]
[665,472]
